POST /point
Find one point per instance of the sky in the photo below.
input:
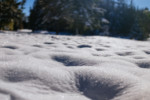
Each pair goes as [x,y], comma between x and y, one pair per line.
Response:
[142,3]
[28,5]
[138,3]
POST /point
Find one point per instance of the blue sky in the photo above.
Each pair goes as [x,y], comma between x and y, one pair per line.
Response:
[142,3]
[139,3]
[28,5]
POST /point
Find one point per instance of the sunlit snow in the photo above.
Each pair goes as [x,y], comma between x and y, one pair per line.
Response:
[51,67]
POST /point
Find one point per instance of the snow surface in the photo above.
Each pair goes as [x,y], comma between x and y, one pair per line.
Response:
[49,67]
[24,31]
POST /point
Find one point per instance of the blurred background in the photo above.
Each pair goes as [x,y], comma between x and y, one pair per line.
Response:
[118,18]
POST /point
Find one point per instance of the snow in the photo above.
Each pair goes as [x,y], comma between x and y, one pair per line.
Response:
[42,32]
[24,31]
[105,21]
[53,67]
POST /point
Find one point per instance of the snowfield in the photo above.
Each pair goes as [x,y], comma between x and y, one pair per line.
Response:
[50,67]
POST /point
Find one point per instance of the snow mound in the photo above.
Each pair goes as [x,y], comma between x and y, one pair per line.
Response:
[49,67]
[24,31]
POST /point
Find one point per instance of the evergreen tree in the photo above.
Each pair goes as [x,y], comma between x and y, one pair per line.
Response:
[34,18]
[11,10]
[85,16]
[144,23]
[136,32]
[78,16]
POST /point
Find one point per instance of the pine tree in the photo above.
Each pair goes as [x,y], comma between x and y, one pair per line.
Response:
[76,16]
[144,23]
[11,10]
[85,15]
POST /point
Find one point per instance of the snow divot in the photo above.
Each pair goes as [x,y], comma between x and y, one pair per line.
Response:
[38,46]
[48,43]
[10,47]
[84,46]
[147,52]
[125,53]
[138,57]
[73,61]
[107,46]
[98,90]
[99,49]
[70,47]
[65,43]
[144,64]
[102,84]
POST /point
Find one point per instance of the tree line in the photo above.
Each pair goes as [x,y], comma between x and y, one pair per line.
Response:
[74,16]
[127,20]
[119,18]
[90,17]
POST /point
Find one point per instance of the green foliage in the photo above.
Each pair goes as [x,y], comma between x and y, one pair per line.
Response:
[141,28]
[84,17]
[77,16]
[144,22]
[127,21]
[11,10]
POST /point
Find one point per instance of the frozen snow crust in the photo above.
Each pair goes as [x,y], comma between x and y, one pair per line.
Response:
[49,67]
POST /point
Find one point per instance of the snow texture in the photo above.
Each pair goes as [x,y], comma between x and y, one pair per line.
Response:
[50,67]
